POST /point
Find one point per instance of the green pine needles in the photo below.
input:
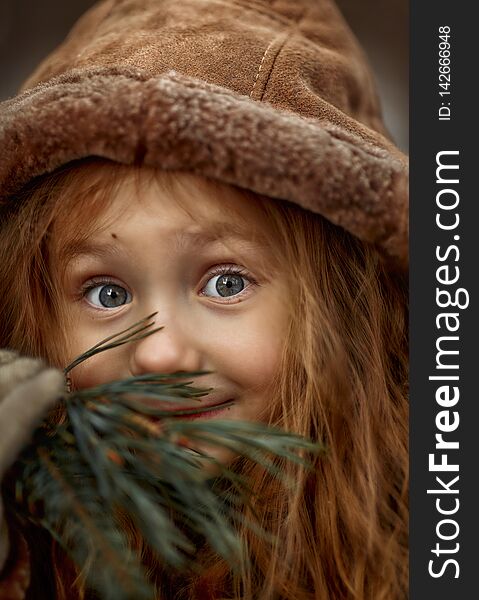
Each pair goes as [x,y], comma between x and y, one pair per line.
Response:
[112,456]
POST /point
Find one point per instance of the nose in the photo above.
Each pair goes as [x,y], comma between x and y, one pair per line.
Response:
[165,351]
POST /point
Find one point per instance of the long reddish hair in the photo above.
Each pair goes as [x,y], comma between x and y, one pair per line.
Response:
[341,531]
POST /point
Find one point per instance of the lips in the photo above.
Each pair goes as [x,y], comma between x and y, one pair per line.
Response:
[203,410]
[184,410]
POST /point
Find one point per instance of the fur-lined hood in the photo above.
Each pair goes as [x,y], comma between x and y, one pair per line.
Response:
[270,95]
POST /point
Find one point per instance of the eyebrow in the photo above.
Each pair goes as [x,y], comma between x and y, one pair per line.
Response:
[182,240]
[185,239]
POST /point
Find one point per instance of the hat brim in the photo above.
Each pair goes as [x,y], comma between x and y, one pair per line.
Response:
[181,123]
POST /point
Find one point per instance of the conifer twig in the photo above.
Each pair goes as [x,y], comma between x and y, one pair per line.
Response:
[113,454]
[134,333]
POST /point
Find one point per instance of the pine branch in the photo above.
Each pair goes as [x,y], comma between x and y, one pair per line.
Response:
[135,333]
[114,455]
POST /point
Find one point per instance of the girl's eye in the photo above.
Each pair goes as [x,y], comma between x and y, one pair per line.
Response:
[225,285]
[108,295]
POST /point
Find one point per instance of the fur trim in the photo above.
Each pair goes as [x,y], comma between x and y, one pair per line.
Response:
[181,123]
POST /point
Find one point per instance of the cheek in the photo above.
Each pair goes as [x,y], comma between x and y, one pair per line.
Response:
[250,351]
[258,357]
[92,372]
[101,368]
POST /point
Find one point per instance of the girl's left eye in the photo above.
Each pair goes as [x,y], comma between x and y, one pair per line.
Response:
[226,285]
[107,295]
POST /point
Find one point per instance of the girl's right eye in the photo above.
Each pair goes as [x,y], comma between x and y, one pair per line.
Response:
[107,295]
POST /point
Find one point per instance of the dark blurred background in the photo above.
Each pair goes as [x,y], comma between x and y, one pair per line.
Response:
[30,29]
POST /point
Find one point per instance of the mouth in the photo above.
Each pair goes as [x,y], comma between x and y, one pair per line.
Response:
[201,412]
[181,411]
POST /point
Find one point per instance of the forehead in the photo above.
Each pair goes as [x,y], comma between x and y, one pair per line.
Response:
[184,207]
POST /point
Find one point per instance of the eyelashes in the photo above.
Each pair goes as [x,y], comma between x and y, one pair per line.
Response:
[109,295]
[228,282]
[223,283]
[104,293]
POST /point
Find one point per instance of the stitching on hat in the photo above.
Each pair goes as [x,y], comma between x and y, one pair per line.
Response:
[277,53]
[261,66]
[292,28]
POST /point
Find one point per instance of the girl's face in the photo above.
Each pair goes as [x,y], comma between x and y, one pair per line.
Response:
[205,267]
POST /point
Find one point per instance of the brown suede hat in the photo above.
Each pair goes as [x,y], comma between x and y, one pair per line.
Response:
[270,95]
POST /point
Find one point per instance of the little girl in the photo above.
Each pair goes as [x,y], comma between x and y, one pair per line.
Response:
[250,198]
